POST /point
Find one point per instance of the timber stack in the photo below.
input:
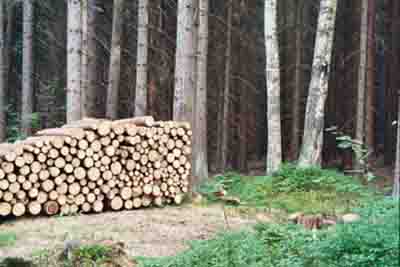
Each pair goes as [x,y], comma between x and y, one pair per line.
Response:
[93,165]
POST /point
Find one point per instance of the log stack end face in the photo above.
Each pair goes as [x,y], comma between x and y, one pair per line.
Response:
[94,164]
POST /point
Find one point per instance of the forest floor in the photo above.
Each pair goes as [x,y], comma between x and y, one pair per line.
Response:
[144,232]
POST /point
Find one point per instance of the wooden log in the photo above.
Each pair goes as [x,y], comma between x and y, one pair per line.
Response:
[98,206]
[128,204]
[34,208]
[77,133]
[18,209]
[74,189]
[126,193]
[137,202]
[86,207]
[7,167]
[51,207]
[116,203]
[138,121]
[5,209]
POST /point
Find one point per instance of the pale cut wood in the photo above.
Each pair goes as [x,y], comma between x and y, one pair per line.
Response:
[86,207]
[138,121]
[137,202]
[116,203]
[77,133]
[34,208]
[18,209]
[98,206]
[5,209]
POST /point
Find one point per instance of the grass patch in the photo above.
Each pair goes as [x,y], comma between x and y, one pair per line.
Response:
[311,190]
[7,239]
[372,242]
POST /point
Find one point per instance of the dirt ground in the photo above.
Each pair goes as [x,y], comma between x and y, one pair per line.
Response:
[147,232]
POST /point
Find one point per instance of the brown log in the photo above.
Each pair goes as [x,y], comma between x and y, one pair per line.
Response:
[51,207]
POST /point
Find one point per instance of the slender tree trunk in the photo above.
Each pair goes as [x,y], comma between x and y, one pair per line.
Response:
[142,58]
[90,88]
[274,147]
[184,62]
[200,150]
[84,58]
[74,43]
[27,69]
[298,81]
[226,94]
[115,61]
[396,185]
[360,127]
[3,124]
[311,150]
[370,101]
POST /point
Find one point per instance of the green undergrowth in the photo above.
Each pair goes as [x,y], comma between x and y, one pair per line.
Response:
[7,239]
[371,242]
[312,190]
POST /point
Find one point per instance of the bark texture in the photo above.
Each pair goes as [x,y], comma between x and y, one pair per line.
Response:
[92,84]
[311,150]
[396,185]
[226,95]
[142,58]
[2,76]
[27,69]
[200,167]
[115,62]
[274,147]
[74,43]
[362,73]
[184,62]
[371,67]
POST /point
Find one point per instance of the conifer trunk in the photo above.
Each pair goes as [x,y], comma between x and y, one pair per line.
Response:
[27,69]
[274,147]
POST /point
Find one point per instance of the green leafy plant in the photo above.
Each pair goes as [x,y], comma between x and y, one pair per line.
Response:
[359,149]
[94,253]
[7,239]
[312,190]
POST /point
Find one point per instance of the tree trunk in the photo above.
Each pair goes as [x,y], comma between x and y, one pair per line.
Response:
[274,146]
[360,117]
[142,58]
[226,95]
[90,88]
[84,58]
[396,184]
[318,90]
[371,68]
[3,124]
[74,43]
[200,168]
[27,69]
[115,61]
[298,82]
[184,62]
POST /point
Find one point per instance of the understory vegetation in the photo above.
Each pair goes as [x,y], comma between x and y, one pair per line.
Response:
[373,241]
[292,189]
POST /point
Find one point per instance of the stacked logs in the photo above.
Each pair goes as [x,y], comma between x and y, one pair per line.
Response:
[92,165]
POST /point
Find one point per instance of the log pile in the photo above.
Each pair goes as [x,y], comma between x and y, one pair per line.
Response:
[93,165]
